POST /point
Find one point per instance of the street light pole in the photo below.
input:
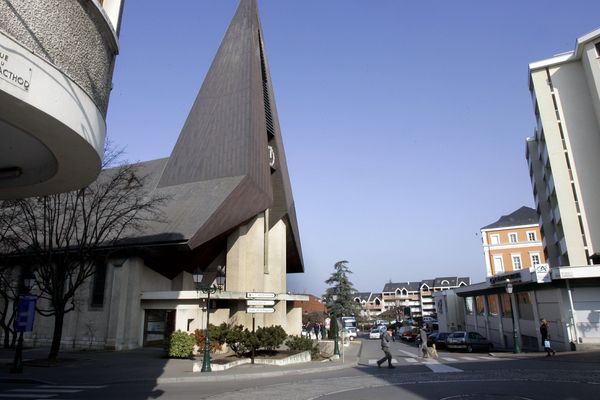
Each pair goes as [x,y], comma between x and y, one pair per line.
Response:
[509,290]
[336,347]
[198,275]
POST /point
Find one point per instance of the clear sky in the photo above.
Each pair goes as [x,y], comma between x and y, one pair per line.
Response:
[404,122]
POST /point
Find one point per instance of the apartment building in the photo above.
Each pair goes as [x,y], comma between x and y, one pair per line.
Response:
[563,152]
[417,296]
[513,242]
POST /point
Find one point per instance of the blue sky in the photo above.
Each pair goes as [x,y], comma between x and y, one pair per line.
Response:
[404,122]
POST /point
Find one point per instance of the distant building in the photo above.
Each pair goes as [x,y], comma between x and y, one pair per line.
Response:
[563,153]
[415,297]
[513,242]
[313,305]
[56,65]
[370,303]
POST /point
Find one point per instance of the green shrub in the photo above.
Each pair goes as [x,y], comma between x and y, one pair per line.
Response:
[298,343]
[181,344]
[270,337]
[218,336]
[237,340]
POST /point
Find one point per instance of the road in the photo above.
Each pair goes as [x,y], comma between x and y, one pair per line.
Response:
[450,376]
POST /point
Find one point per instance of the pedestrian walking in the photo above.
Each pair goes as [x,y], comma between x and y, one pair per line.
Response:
[546,338]
[317,328]
[385,346]
[423,336]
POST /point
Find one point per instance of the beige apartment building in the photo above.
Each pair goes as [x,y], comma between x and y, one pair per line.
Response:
[512,243]
[563,152]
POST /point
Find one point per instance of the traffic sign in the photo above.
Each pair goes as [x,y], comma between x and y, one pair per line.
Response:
[260,295]
[260,302]
[259,310]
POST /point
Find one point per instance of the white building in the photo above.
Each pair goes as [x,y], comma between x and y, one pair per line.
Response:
[54,92]
[563,153]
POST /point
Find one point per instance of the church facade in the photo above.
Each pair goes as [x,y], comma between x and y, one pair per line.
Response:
[230,210]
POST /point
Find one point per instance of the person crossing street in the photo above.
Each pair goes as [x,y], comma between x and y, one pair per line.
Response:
[385,346]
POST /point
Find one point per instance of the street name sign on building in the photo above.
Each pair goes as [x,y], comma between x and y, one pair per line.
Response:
[260,295]
[259,310]
[260,302]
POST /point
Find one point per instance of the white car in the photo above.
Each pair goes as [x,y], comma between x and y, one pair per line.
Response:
[375,333]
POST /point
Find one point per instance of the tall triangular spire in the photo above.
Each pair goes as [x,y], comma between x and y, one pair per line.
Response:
[231,137]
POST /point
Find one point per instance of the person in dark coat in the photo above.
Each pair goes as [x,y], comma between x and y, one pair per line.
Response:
[546,338]
[385,346]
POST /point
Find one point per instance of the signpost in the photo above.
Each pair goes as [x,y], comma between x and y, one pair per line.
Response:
[255,305]
[260,295]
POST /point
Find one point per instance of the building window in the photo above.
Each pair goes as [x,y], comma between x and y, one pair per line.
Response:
[492,304]
[506,306]
[535,258]
[531,236]
[597,45]
[495,239]
[469,305]
[516,262]
[479,300]
[498,265]
[512,237]
[98,284]
[524,306]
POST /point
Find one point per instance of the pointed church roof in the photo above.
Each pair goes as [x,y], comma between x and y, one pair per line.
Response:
[228,164]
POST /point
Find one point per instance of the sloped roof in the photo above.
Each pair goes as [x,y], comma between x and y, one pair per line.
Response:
[410,286]
[219,175]
[363,296]
[522,216]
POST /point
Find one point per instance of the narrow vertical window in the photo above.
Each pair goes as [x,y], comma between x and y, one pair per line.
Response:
[516,262]
[98,284]
[512,238]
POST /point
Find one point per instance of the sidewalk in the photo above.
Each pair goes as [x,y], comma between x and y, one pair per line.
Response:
[145,365]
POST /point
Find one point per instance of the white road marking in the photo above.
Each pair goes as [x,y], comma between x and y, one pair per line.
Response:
[408,353]
[469,358]
[449,359]
[439,368]
[374,362]
[410,360]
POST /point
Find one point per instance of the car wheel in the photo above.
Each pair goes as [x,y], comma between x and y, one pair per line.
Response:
[469,349]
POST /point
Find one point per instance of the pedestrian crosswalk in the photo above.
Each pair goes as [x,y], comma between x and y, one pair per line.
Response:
[45,391]
[415,359]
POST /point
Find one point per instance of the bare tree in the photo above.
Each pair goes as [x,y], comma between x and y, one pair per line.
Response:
[60,236]
[8,280]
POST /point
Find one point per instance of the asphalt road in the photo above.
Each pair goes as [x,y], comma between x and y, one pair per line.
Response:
[450,376]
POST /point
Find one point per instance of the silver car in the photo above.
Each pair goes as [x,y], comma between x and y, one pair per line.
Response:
[469,341]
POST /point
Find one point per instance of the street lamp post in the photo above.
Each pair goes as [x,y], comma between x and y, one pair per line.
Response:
[336,347]
[208,289]
[509,290]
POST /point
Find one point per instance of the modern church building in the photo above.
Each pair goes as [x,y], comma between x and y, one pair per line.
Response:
[230,208]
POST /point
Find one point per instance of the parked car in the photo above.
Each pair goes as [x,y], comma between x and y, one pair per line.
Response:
[439,338]
[469,341]
[375,333]
[409,333]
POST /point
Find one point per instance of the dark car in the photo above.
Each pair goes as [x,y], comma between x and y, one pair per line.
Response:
[439,338]
[469,341]
[409,333]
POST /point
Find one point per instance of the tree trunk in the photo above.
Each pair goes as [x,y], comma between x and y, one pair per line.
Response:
[57,336]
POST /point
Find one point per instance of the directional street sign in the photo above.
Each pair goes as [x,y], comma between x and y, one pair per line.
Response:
[260,295]
[259,310]
[260,302]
